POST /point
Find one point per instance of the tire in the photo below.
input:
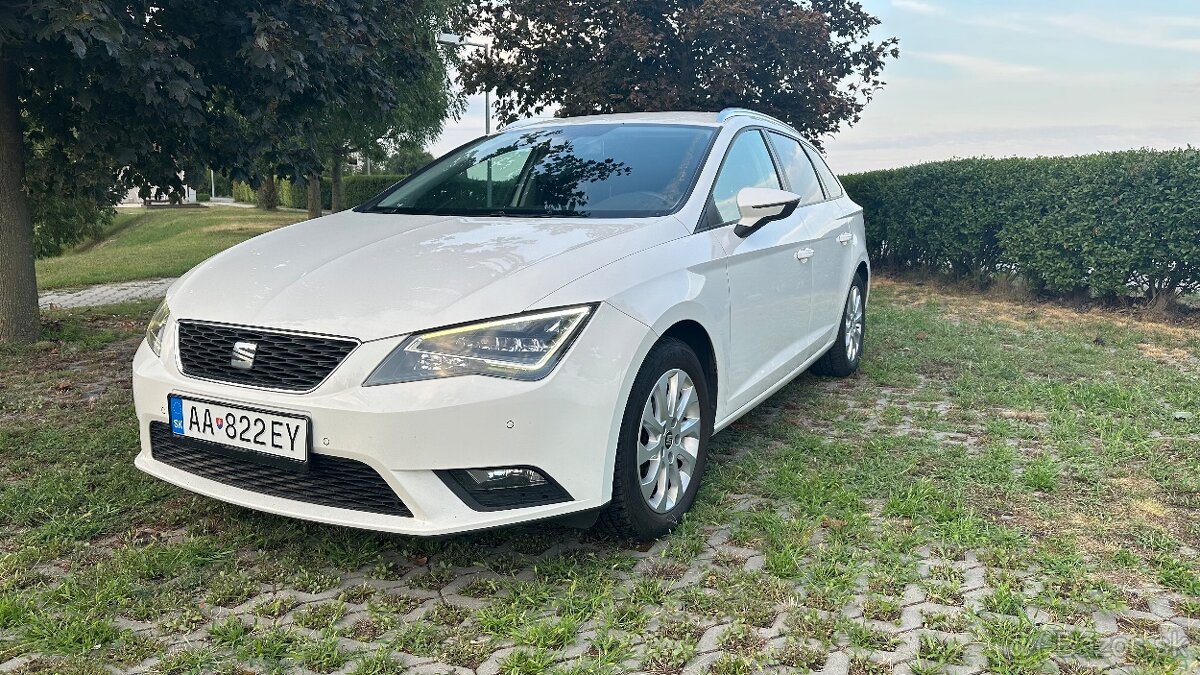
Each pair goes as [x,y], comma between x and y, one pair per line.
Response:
[843,357]
[645,514]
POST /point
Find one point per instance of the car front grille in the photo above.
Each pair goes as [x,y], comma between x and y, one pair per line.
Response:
[324,480]
[284,361]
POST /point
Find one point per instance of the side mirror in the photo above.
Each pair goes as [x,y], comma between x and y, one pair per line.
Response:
[759,206]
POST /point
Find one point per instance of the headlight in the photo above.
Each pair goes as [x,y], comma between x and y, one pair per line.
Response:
[525,347]
[158,325]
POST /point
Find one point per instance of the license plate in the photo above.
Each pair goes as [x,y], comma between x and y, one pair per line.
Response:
[260,431]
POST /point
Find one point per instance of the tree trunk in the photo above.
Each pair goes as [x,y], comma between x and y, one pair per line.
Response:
[1162,297]
[19,319]
[336,180]
[314,195]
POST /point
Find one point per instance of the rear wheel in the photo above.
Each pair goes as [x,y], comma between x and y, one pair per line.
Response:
[843,357]
[663,445]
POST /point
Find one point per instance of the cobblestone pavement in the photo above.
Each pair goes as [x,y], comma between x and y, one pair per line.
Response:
[105,294]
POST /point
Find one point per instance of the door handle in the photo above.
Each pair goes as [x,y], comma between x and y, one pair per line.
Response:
[845,238]
[804,254]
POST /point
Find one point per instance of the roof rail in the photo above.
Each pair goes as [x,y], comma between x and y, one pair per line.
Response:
[727,113]
[527,122]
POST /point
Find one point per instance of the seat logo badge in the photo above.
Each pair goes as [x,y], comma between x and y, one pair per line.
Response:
[243,355]
[670,439]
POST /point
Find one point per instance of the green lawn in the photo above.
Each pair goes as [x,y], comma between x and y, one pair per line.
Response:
[1006,487]
[149,244]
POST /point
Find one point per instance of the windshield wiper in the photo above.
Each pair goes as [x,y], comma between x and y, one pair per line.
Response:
[534,214]
[471,213]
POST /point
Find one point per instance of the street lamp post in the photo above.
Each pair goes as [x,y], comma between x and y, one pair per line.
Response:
[460,41]
[455,40]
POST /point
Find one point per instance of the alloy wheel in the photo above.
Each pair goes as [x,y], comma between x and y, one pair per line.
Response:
[854,323]
[668,440]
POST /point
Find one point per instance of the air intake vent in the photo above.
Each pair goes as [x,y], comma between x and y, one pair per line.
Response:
[328,481]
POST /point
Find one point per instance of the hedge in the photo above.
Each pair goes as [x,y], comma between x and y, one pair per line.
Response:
[242,192]
[356,189]
[1108,225]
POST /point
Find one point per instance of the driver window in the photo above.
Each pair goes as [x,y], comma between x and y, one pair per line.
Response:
[748,164]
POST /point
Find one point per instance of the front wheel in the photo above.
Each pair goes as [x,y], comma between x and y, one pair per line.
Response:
[663,445]
[843,357]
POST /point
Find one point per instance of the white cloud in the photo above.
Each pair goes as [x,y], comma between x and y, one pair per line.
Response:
[1175,33]
[917,7]
[981,67]
[1156,32]
[854,155]
[1008,22]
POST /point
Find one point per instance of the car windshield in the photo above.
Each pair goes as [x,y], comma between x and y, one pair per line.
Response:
[581,170]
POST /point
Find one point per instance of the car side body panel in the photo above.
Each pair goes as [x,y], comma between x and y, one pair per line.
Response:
[693,287]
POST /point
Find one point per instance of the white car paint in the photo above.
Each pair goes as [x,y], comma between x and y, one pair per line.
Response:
[377,278]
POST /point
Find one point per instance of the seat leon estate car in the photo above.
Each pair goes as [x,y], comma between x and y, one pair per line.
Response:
[549,322]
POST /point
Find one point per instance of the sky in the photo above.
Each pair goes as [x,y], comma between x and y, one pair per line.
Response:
[999,78]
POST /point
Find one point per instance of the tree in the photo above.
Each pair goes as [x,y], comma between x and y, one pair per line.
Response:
[145,86]
[404,159]
[69,205]
[415,121]
[807,62]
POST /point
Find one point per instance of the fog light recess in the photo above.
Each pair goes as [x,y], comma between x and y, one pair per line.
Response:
[503,487]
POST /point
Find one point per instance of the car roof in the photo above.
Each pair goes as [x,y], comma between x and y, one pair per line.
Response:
[686,117]
[711,119]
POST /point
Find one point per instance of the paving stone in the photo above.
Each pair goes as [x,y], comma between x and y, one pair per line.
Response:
[1084,662]
[711,639]
[1160,606]
[492,665]
[974,578]
[105,294]
[15,663]
[912,617]
[698,664]
[838,663]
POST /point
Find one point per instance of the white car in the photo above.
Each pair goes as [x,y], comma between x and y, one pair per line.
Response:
[552,320]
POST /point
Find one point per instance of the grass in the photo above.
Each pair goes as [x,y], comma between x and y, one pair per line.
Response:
[1021,470]
[150,244]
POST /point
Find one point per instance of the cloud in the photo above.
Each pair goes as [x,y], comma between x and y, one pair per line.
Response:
[1174,33]
[1155,32]
[917,7]
[1008,22]
[866,154]
[981,67]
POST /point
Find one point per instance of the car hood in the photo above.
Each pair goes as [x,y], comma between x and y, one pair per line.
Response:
[370,276]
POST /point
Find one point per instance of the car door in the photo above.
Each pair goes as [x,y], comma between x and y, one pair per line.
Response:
[802,177]
[833,244]
[770,280]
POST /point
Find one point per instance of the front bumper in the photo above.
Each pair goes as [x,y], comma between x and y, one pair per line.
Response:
[565,425]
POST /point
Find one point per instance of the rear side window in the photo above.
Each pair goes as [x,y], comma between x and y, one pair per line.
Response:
[747,164]
[798,168]
[832,187]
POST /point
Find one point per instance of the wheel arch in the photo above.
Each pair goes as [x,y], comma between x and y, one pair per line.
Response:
[696,337]
[864,268]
